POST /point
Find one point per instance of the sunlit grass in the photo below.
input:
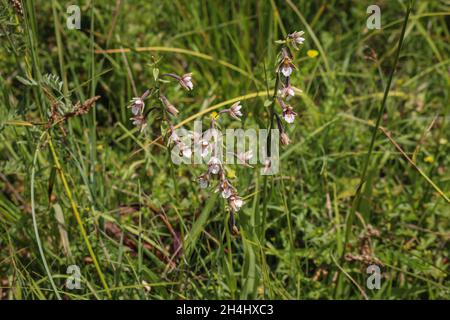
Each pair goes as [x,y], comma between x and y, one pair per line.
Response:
[125,206]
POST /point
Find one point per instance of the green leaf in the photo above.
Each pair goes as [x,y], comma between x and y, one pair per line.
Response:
[155,73]
[199,225]
[27,82]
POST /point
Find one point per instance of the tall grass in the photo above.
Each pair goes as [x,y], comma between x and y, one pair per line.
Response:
[126,209]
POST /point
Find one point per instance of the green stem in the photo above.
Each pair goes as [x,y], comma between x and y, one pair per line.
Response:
[357,199]
[33,214]
[78,217]
[269,142]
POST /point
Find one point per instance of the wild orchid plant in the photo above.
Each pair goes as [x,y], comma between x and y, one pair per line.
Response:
[286,91]
[217,168]
[283,92]
[138,105]
[199,143]
[192,142]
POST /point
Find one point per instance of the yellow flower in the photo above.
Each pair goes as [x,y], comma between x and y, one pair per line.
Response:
[312,53]
[429,159]
[214,115]
[231,173]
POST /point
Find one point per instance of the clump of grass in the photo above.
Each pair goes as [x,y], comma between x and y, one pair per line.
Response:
[80,186]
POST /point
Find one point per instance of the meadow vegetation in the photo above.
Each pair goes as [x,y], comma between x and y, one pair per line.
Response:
[85,187]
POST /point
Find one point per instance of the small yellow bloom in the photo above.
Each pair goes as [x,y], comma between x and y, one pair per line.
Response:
[214,115]
[231,174]
[312,53]
[429,159]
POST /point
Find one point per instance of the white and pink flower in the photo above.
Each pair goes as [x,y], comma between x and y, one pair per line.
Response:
[214,165]
[296,38]
[286,92]
[235,202]
[289,114]
[186,81]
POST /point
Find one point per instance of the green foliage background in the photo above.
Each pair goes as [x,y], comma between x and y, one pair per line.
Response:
[291,231]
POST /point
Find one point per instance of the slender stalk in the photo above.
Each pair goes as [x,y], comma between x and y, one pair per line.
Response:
[357,200]
[182,51]
[269,143]
[78,217]
[232,282]
[33,214]
[93,119]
